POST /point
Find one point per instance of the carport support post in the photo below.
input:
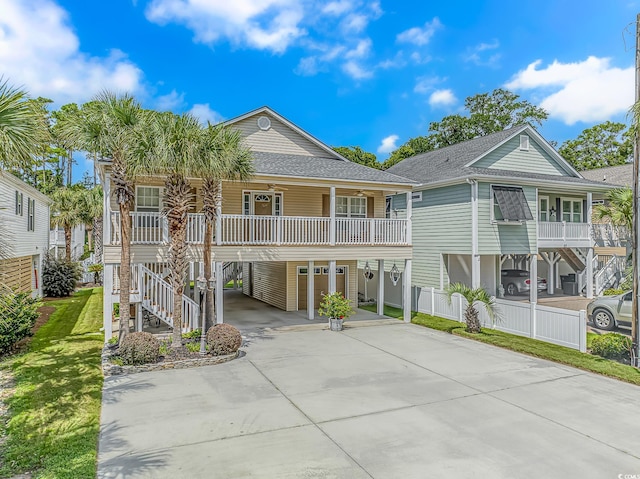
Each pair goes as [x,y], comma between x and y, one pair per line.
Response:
[533,279]
[219,292]
[332,216]
[590,273]
[406,293]
[311,277]
[380,308]
[332,276]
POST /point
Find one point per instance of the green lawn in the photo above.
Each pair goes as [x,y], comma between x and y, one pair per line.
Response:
[55,411]
[533,347]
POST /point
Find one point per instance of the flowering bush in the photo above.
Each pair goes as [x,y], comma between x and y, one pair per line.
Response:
[335,305]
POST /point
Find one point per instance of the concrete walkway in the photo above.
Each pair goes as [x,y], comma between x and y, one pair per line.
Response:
[381,400]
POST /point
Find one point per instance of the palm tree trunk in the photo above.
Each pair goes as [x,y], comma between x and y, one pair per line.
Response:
[471,317]
[178,193]
[211,198]
[97,228]
[208,236]
[89,237]
[125,269]
[67,242]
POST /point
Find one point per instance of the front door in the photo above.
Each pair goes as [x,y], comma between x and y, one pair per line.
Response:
[263,204]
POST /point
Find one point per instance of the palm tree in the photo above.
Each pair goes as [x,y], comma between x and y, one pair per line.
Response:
[23,127]
[92,218]
[618,208]
[177,141]
[116,126]
[67,213]
[223,157]
[473,296]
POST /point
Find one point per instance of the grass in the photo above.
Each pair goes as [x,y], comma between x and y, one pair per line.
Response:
[520,344]
[55,409]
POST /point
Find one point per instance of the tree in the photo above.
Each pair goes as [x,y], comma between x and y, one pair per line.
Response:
[358,155]
[92,209]
[606,144]
[22,128]
[488,113]
[222,157]
[67,213]
[477,296]
[116,126]
[618,208]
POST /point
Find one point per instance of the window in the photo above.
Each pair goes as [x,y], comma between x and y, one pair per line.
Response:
[19,200]
[252,201]
[148,199]
[524,142]
[572,210]
[510,204]
[351,207]
[31,213]
[416,196]
[543,208]
[387,207]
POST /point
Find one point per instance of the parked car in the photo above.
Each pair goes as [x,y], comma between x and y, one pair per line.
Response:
[609,312]
[515,281]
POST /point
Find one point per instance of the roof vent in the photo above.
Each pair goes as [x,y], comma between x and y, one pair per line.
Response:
[264,123]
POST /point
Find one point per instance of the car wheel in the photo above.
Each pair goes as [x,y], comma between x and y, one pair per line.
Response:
[511,289]
[603,319]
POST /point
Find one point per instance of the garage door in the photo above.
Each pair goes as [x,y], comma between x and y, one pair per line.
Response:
[321,284]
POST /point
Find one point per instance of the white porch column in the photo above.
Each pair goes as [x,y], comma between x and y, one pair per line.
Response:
[409,215]
[533,278]
[475,256]
[219,293]
[332,276]
[332,215]
[589,293]
[107,297]
[311,278]
[380,309]
[218,231]
[406,291]
[106,213]
[139,316]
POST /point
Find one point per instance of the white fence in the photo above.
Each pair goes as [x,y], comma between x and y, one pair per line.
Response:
[553,325]
[562,230]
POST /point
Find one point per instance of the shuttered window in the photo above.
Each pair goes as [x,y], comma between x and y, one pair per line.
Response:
[19,200]
[510,204]
[31,213]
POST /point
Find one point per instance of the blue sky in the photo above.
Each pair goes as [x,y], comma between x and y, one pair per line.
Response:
[350,72]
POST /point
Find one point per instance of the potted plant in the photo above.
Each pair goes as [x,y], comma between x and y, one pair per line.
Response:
[337,308]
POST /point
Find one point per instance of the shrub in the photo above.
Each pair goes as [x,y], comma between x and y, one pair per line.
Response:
[113,341]
[193,347]
[612,346]
[335,305]
[59,276]
[612,291]
[195,334]
[223,339]
[139,348]
[18,314]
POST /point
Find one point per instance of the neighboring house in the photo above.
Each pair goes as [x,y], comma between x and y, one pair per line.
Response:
[306,210]
[504,201]
[24,220]
[57,245]
[620,175]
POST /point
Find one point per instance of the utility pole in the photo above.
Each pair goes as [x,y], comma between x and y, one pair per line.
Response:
[636,205]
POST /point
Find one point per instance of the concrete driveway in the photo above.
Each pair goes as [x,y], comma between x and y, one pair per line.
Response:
[381,400]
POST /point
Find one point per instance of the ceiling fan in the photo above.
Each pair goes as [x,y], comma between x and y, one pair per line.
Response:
[273,187]
[363,193]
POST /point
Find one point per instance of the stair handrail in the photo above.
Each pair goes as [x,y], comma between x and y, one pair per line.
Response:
[609,269]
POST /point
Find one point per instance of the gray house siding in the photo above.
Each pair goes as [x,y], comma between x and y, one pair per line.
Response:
[495,238]
[509,157]
[441,225]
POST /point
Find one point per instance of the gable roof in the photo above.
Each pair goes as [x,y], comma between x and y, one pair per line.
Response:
[18,183]
[620,175]
[331,153]
[456,162]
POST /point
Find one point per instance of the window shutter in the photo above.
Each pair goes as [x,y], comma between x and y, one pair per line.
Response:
[326,205]
[17,202]
[370,206]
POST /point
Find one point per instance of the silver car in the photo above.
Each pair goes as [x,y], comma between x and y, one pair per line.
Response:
[516,281]
[609,312]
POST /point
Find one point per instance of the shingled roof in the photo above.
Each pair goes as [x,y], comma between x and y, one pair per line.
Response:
[317,167]
[621,175]
[450,163]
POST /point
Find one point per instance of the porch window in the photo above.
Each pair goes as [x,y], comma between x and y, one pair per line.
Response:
[510,204]
[351,207]
[543,208]
[572,210]
[148,199]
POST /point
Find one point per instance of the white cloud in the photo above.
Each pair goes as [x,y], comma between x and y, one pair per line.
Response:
[476,54]
[356,71]
[426,84]
[420,35]
[388,144]
[204,112]
[442,98]
[337,8]
[307,66]
[589,91]
[39,50]
[362,49]
[262,24]
[170,101]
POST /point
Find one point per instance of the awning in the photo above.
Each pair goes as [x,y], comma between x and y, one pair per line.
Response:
[512,202]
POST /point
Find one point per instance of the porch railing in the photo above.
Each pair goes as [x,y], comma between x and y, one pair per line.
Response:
[562,230]
[151,228]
